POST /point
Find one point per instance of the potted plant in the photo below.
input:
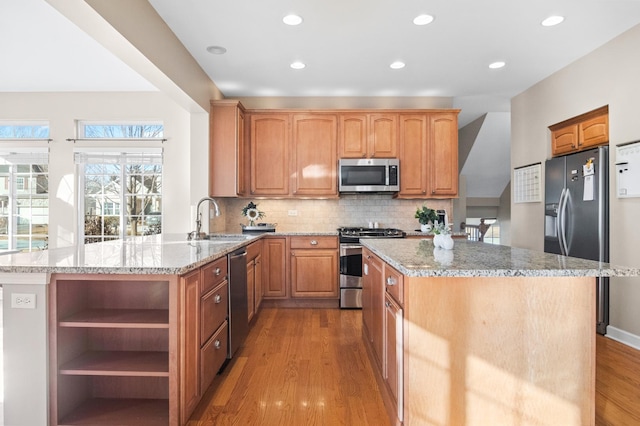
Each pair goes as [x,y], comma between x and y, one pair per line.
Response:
[426,217]
[442,236]
[251,212]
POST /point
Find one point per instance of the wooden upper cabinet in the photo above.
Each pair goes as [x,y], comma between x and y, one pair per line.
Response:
[442,155]
[227,147]
[269,154]
[582,132]
[383,136]
[413,155]
[313,150]
[353,136]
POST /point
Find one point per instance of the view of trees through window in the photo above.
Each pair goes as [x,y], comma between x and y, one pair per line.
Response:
[122,191]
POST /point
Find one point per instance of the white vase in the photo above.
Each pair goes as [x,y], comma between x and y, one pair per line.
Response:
[447,242]
[425,227]
[437,240]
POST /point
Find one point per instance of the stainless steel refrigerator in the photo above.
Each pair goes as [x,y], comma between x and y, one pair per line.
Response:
[576,221]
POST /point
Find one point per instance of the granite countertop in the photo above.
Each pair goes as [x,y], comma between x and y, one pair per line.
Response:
[419,258]
[169,254]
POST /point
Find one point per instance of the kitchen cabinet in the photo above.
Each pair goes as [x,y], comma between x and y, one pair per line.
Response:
[373,303]
[269,142]
[413,155]
[254,278]
[442,154]
[314,267]
[313,148]
[275,261]
[428,155]
[383,135]
[135,349]
[394,366]
[582,132]
[353,136]
[228,150]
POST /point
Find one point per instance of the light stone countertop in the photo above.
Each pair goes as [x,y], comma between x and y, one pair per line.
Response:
[419,258]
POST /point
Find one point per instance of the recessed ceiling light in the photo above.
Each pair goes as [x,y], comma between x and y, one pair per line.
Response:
[496,65]
[297,65]
[397,65]
[292,20]
[216,50]
[552,20]
[423,19]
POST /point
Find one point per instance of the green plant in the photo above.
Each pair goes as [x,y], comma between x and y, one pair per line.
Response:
[425,215]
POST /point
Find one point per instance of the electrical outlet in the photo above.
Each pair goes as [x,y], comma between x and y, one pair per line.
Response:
[23,300]
[293,212]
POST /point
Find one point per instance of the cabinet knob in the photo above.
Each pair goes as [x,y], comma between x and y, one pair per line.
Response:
[217,272]
[218,298]
[217,344]
[387,304]
[313,242]
[424,191]
[391,281]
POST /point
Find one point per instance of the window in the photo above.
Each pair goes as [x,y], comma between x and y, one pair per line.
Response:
[120,131]
[24,200]
[24,130]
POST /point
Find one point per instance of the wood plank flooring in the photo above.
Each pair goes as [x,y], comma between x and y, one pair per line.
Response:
[297,367]
[617,383]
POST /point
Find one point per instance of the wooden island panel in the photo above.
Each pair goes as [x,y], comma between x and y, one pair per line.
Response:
[503,350]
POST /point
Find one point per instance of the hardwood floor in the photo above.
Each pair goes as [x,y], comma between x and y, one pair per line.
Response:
[297,367]
[617,383]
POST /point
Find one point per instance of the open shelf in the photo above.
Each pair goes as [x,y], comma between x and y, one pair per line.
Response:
[118,318]
[121,412]
[119,363]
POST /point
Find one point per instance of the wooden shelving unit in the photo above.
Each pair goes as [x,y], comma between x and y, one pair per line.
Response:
[110,345]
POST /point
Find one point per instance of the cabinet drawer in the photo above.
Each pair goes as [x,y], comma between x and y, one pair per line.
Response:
[213,311]
[394,284]
[314,242]
[213,274]
[212,356]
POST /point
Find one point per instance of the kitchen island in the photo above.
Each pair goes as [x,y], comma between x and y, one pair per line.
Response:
[114,334]
[482,334]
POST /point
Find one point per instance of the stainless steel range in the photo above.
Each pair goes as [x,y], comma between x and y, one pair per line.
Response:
[351,261]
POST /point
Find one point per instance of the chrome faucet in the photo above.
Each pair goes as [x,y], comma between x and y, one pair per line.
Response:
[197,235]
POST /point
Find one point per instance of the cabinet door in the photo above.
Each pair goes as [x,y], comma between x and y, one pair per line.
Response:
[368,276]
[313,151]
[258,283]
[443,155]
[274,274]
[190,343]
[269,154]
[564,140]
[251,285]
[393,373]
[377,308]
[413,155]
[314,273]
[227,174]
[593,132]
[383,135]
[353,136]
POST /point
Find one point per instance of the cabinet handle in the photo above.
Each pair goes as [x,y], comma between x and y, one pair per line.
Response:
[387,304]
[217,344]
[391,281]
[217,272]
[218,298]
[313,242]
[424,191]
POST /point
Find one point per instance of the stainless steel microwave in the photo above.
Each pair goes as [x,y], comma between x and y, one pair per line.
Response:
[369,175]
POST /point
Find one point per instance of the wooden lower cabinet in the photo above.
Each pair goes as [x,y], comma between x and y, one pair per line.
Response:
[254,278]
[373,303]
[135,349]
[274,275]
[393,345]
[314,267]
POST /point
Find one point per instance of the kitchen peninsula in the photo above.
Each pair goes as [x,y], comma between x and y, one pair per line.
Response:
[483,333]
[488,331]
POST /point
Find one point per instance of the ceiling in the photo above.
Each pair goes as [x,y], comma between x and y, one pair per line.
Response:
[347,46]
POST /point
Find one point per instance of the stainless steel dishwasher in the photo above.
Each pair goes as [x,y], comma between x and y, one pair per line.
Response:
[238,311]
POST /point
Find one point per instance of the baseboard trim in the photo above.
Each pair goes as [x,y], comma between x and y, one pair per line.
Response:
[624,337]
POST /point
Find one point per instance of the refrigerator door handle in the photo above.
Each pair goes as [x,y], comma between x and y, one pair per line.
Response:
[562,211]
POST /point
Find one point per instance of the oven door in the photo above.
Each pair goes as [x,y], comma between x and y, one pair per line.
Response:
[350,265]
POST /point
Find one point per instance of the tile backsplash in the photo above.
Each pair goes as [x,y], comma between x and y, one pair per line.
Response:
[300,215]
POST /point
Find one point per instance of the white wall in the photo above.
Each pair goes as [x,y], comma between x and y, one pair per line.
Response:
[185,151]
[607,76]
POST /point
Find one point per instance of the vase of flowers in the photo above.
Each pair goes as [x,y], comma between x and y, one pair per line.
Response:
[442,236]
[426,217]
[251,212]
